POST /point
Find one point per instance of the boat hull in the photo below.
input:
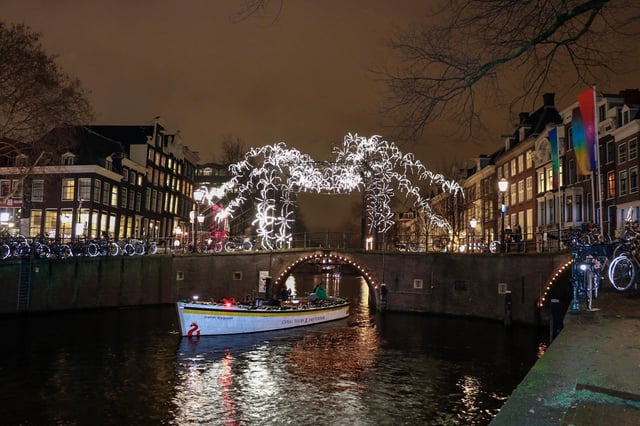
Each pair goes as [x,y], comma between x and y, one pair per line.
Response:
[199,319]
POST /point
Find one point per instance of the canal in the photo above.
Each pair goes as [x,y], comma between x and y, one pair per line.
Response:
[130,366]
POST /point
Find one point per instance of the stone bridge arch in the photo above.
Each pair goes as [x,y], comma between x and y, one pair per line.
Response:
[558,275]
[336,258]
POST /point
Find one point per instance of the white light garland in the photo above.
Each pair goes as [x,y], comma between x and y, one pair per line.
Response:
[372,165]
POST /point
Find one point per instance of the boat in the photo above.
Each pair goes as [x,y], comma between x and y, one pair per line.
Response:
[199,318]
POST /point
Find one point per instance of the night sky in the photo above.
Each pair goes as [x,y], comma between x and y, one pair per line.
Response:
[304,79]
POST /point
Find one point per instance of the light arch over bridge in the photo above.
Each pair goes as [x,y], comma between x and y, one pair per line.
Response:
[334,258]
[553,280]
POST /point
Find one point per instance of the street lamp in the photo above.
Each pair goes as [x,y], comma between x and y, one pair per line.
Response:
[503,184]
[200,218]
[198,196]
[473,223]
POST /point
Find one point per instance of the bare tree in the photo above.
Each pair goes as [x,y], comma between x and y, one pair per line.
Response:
[478,45]
[35,96]
[269,9]
[233,150]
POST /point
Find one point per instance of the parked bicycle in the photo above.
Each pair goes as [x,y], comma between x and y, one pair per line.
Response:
[585,274]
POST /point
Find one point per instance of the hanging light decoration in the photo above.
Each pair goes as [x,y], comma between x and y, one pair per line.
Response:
[375,166]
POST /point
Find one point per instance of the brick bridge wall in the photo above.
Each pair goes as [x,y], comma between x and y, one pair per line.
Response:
[453,284]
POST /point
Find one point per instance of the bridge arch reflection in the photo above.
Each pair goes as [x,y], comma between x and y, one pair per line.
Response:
[333,258]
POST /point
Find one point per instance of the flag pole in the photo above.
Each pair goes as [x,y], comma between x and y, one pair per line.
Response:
[597,157]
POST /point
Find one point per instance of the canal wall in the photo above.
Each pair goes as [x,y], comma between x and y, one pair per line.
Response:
[505,287]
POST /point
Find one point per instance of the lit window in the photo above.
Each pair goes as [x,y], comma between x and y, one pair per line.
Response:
[68,189]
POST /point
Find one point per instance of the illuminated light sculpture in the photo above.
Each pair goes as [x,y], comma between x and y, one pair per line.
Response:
[273,175]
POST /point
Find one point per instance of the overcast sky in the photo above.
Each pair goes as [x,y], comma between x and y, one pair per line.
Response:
[304,79]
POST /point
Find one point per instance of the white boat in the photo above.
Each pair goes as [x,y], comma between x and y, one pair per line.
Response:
[204,318]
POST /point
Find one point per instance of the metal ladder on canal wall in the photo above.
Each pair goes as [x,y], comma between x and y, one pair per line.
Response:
[24,284]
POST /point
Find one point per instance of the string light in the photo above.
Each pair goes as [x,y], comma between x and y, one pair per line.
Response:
[372,165]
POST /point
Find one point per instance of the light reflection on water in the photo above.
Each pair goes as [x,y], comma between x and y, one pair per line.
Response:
[131,367]
[352,372]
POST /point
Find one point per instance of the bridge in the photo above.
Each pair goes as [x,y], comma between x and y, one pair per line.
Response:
[445,283]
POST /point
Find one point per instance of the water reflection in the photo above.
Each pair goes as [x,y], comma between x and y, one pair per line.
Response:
[131,367]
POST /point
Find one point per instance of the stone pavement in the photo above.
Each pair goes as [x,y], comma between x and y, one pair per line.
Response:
[590,374]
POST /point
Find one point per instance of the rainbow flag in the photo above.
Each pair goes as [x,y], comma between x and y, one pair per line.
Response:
[585,132]
[580,143]
[555,156]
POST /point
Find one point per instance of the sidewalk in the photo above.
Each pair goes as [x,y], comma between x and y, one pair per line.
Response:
[589,375]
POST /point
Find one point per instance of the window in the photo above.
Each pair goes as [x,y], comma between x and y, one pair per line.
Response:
[529,187]
[68,159]
[21,160]
[68,189]
[633,149]
[418,283]
[16,189]
[602,112]
[578,209]
[625,117]
[514,167]
[123,197]
[569,138]
[114,196]
[35,222]
[529,159]
[611,151]
[50,223]
[541,182]
[106,193]
[131,199]
[521,191]
[97,190]
[5,188]
[622,153]
[125,174]
[572,172]
[569,208]
[37,190]
[521,163]
[84,189]
[633,180]
[623,182]
[611,187]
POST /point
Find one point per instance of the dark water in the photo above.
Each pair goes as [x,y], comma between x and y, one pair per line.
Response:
[130,367]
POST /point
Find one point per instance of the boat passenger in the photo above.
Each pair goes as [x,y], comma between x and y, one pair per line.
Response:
[321,292]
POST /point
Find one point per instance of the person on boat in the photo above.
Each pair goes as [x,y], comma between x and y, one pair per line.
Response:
[321,292]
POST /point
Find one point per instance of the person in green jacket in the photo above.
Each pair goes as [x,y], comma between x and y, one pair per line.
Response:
[321,292]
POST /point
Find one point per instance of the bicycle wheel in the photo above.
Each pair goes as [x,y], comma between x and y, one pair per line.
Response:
[153,248]
[128,249]
[5,251]
[494,247]
[93,250]
[622,273]
[65,251]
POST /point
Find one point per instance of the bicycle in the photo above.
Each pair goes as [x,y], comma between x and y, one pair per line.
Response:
[585,274]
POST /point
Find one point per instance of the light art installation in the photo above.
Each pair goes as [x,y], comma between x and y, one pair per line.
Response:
[274,174]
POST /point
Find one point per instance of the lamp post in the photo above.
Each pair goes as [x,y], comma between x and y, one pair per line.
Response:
[200,218]
[198,195]
[473,223]
[503,184]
